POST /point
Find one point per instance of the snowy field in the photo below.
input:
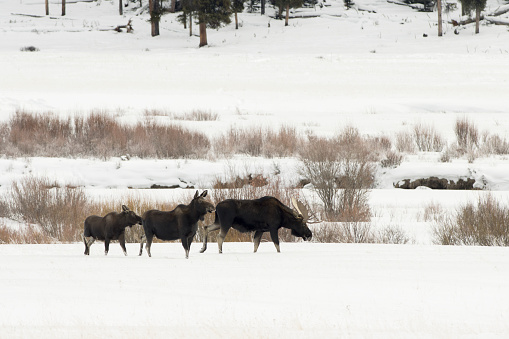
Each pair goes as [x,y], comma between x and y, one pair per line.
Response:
[306,291]
[382,71]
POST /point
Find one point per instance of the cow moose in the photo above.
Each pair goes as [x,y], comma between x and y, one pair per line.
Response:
[266,214]
[110,227]
[181,223]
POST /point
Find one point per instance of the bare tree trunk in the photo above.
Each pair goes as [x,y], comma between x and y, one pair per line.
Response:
[120,7]
[190,24]
[203,34]
[153,6]
[47,7]
[141,4]
[172,6]
[63,7]
[477,19]
[236,21]
[439,10]
[263,7]
[280,13]
[287,14]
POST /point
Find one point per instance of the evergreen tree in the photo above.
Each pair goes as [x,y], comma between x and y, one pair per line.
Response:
[237,7]
[253,6]
[287,4]
[477,5]
[212,14]
[188,9]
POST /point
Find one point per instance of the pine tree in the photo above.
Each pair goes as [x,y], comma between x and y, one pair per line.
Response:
[212,14]
[478,6]
[188,9]
[237,7]
[287,4]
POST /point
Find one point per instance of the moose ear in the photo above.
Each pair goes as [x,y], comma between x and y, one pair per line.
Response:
[204,194]
[125,208]
[196,195]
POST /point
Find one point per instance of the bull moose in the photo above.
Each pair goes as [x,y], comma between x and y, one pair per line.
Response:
[181,223]
[266,214]
[110,227]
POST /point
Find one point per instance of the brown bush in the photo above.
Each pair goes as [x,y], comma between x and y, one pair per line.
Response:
[59,212]
[428,139]
[98,135]
[405,142]
[483,224]
[341,173]
[27,234]
[467,134]
[256,141]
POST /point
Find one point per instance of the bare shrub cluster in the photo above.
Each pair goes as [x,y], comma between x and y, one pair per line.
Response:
[56,214]
[467,134]
[494,144]
[342,172]
[97,135]
[194,115]
[358,232]
[259,141]
[405,142]
[483,224]
[59,212]
[428,139]
[28,234]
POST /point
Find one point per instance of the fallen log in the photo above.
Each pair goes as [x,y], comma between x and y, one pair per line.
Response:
[497,21]
[465,22]
[499,11]
[127,26]
[414,6]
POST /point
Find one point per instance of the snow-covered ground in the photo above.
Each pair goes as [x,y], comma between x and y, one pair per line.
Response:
[306,291]
[382,72]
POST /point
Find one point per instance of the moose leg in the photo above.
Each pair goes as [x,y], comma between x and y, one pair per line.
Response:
[208,229]
[256,239]
[88,242]
[221,236]
[106,246]
[121,240]
[275,238]
[149,243]
[142,241]
[186,244]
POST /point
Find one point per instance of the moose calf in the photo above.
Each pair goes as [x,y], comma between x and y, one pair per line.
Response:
[110,227]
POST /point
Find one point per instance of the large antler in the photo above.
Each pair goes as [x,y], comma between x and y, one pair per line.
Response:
[302,210]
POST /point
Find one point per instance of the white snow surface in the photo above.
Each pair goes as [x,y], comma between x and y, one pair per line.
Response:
[382,72]
[306,291]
